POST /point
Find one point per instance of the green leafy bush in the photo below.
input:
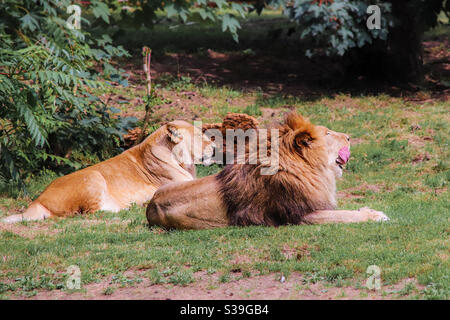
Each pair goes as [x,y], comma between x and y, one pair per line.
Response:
[339,27]
[49,117]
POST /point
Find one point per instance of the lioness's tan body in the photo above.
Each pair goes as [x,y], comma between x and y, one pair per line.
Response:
[114,184]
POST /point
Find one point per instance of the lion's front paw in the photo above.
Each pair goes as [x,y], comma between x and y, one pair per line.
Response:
[373,215]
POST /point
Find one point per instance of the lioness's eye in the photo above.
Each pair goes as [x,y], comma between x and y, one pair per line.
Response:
[328,133]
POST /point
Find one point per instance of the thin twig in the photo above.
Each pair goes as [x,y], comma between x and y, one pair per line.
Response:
[147,56]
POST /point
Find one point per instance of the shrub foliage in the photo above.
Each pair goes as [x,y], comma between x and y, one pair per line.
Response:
[49,114]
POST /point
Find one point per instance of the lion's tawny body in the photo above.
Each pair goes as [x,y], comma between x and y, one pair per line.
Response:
[302,190]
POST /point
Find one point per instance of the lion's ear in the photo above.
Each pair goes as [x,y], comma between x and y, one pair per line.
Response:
[174,134]
[295,121]
[305,131]
[303,139]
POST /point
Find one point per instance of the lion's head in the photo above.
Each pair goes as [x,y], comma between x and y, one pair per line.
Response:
[316,146]
[310,159]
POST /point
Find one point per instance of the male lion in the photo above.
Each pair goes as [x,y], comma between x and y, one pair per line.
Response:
[165,156]
[302,191]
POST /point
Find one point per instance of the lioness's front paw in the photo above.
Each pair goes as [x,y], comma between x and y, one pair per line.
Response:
[374,215]
[12,219]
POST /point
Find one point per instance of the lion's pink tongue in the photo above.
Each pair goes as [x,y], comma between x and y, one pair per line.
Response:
[344,154]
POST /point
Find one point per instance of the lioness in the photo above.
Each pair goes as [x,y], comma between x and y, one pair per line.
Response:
[165,156]
[302,191]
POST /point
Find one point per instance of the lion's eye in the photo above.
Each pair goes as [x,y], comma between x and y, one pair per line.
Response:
[328,133]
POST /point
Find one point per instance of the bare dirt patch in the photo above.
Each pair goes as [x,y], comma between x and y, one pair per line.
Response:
[421,158]
[271,116]
[208,287]
[240,259]
[355,141]
[34,229]
[291,73]
[28,231]
[418,142]
[94,222]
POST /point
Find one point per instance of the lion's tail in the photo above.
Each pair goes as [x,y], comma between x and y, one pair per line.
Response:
[35,211]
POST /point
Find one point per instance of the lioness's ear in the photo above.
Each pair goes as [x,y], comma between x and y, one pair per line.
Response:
[303,139]
[174,134]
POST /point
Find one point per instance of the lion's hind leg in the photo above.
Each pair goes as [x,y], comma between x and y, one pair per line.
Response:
[182,218]
[175,205]
[345,216]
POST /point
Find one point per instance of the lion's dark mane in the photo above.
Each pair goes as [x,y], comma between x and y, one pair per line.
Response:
[252,199]
[301,186]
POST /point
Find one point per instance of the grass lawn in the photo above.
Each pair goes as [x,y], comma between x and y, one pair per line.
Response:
[399,165]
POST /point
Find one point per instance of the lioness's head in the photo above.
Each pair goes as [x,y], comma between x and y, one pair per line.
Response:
[190,145]
[317,145]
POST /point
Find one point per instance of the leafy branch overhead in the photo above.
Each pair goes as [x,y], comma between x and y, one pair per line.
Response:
[227,13]
[335,26]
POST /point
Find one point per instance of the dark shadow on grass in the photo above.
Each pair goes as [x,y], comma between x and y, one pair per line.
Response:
[270,58]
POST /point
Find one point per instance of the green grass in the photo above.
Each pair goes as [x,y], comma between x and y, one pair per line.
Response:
[413,244]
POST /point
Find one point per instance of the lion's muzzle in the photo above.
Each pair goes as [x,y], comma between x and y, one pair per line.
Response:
[343,155]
